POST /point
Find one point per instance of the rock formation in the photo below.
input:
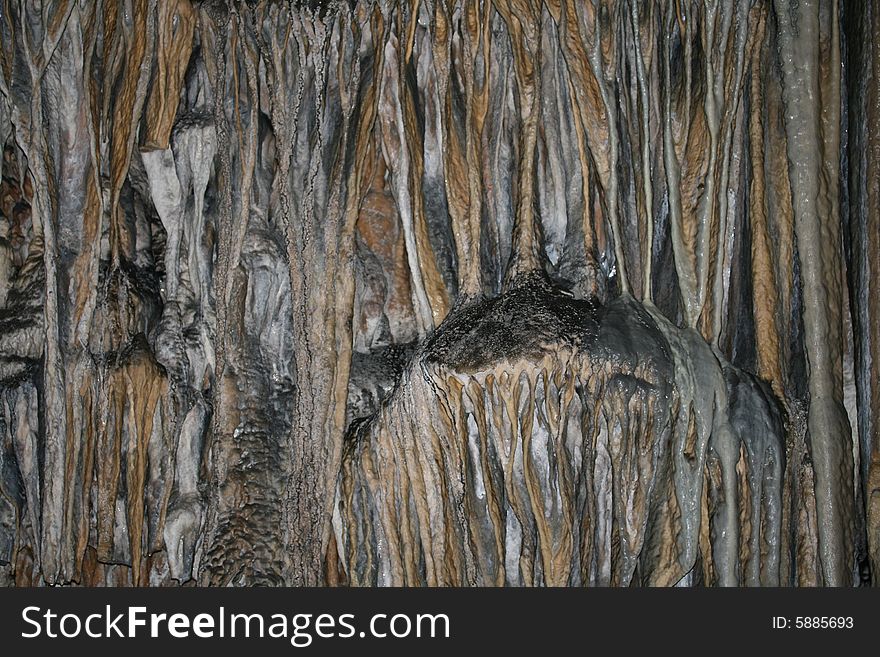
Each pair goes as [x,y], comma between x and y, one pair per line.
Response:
[439,292]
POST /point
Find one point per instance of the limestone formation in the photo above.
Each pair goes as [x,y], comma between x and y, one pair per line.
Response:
[439,292]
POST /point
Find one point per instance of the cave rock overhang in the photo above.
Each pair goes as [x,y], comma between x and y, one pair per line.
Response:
[536,438]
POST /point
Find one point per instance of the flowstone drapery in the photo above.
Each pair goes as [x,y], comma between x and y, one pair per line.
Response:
[439,292]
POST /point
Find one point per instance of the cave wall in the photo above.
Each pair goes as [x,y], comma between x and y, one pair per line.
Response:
[458,292]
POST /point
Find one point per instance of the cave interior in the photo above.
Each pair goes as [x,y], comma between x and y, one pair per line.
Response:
[440,292]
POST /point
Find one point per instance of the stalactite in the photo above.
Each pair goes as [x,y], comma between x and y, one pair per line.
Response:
[438,292]
[809,136]
[862,247]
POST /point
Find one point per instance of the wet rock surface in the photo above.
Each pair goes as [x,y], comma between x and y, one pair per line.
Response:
[497,292]
[553,441]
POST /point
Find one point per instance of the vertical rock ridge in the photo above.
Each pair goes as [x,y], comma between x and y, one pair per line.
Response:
[502,292]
